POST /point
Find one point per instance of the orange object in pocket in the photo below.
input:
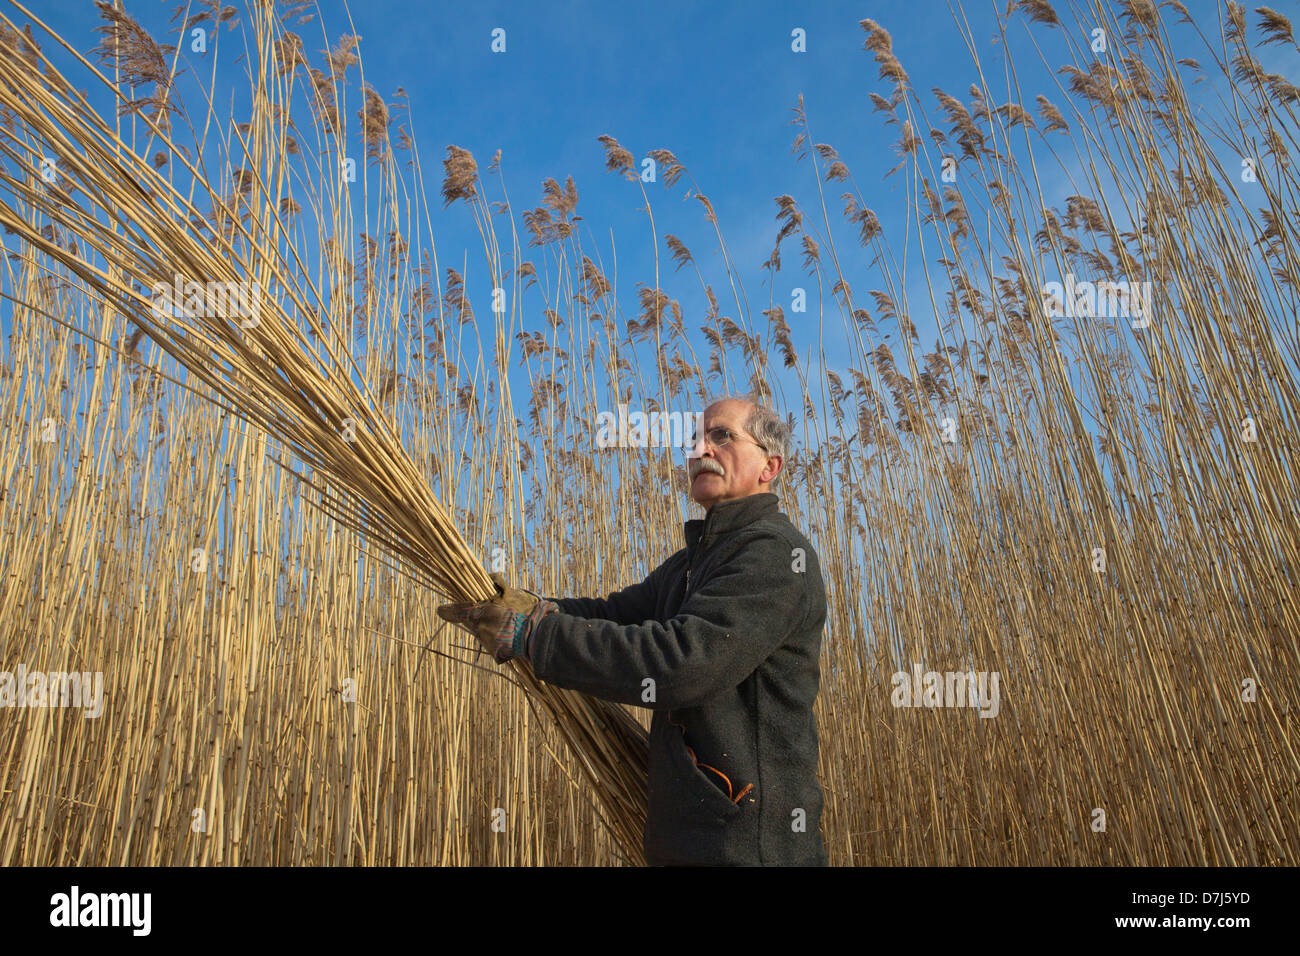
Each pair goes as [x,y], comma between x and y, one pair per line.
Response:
[731,794]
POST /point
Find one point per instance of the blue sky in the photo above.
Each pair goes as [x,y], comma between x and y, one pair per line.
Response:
[715,84]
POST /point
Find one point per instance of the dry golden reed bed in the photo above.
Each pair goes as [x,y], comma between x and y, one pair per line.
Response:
[1111,528]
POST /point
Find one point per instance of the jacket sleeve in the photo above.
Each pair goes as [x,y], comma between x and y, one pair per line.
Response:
[632,605]
[732,622]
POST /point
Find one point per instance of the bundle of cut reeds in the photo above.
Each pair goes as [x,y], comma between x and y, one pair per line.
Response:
[234,320]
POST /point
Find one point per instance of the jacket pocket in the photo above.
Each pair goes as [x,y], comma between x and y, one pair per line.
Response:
[701,786]
[690,821]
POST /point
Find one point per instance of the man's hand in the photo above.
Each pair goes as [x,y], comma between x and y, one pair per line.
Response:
[504,624]
[514,599]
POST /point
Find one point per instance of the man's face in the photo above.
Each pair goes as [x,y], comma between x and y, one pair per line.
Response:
[737,469]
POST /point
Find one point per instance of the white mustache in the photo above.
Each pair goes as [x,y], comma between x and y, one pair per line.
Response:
[706,464]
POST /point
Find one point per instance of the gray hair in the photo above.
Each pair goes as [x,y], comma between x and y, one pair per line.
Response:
[766,427]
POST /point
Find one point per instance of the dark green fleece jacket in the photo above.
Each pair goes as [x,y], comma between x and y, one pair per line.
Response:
[721,641]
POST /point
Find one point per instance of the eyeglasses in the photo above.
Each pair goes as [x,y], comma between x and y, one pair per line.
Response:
[722,437]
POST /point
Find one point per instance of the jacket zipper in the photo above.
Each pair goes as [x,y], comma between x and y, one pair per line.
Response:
[690,566]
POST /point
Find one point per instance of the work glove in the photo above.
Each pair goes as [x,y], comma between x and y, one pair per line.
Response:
[503,625]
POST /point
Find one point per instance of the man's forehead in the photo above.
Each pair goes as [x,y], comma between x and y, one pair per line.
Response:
[726,414]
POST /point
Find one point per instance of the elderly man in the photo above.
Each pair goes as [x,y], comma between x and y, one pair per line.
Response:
[721,641]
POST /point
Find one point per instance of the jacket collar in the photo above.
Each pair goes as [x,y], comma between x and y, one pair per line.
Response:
[727,516]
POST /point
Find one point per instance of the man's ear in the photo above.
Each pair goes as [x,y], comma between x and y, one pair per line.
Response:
[774,470]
